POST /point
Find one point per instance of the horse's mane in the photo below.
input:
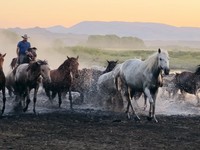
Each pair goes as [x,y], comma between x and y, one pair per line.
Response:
[197,72]
[36,63]
[42,62]
[151,61]
[64,64]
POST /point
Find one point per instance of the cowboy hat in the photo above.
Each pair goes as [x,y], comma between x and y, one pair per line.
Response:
[25,36]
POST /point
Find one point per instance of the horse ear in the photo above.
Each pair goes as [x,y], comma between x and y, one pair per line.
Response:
[116,61]
[4,55]
[67,57]
[107,61]
[159,50]
[77,57]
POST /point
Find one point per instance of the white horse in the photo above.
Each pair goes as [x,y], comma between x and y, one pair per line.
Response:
[143,76]
[106,86]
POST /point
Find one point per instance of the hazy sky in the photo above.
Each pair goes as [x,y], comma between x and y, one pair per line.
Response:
[45,13]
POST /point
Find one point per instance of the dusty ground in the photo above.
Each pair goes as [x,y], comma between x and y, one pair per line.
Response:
[91,128]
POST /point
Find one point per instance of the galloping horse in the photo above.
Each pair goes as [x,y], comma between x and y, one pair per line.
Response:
[2,81]
[27,77]
[189,82]
[143,76]
[30,56]
[61,79]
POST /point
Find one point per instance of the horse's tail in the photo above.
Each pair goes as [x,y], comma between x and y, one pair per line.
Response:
[13,63]
[118,82]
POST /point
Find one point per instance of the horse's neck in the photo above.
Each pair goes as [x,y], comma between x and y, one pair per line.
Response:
[1,71]
[154,70]
[64,70]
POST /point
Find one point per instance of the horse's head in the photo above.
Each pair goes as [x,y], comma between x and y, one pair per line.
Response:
[73,67]
[111,66]
[163,61]
[2,59]
[44,70]
[39,68]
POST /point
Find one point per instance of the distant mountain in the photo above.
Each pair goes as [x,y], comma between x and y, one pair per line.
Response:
[39,35]
[57,29]
[145,31]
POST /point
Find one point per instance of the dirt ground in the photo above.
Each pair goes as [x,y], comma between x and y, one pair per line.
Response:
[95,130]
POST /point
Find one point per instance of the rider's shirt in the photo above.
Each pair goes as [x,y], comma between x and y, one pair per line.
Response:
[23,46]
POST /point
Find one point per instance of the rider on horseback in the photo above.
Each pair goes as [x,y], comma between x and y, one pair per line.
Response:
[22,47]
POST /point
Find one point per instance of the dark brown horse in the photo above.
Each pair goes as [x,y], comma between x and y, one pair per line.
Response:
[61,79]
[87,80]
[30,56]
[2,81]
[189,82]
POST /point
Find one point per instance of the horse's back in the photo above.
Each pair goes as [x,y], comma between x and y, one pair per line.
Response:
[129,71]
[188,81]
[107,80]
[185,76]
[21,72]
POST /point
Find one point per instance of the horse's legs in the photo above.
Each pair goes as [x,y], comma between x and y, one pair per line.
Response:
[145,102]
[59,98]
[35,98]
[47,91]
[53,95]
[27,100]
[154,106]
[151,101]
[70,98]
[10,90]
[4,100]
[148,95]
[127,96]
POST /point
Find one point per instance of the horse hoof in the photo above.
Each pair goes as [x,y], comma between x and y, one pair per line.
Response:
[149,118]
[137,119]
[156,121]
[128,116]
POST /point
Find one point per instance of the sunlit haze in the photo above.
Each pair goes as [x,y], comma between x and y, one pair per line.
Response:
[46,13]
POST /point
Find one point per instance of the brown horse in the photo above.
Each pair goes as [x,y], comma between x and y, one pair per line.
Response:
[27,77]
[61,79]
[189,82]
[87,80]
[30,56]
[2,81]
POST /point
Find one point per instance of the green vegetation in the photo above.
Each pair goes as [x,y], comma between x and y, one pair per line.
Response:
[113,41]
[95,56]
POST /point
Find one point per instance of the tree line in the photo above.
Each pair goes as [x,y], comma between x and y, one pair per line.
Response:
[114,41]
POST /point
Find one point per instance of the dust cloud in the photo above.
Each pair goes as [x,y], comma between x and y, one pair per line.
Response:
[44,47]
[173,106]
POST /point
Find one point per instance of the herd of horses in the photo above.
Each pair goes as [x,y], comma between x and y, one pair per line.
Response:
[117,84]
